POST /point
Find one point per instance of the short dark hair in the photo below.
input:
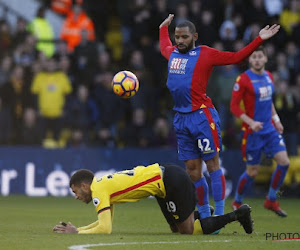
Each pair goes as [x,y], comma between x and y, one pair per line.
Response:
[82,175]
[187,23]
[261,48]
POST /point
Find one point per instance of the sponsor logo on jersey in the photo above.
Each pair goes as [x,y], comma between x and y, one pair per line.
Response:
[193,53]
[265,93]
[178,65]
[213,126]
[96,202]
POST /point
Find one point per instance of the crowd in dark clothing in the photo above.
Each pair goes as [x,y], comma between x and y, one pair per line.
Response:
[127,39]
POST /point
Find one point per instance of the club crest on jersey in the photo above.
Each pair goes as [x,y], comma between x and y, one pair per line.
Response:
[178,65]
[265,93]
[96,202]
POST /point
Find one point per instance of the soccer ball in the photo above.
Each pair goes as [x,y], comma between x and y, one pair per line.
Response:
[125,84]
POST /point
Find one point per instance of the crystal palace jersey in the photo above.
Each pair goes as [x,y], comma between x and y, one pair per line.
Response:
[188,73]
[256,92]
[127,186]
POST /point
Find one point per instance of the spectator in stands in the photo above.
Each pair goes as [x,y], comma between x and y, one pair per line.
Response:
[288,108]
[51,87]
[111,106]
[61,49]
[293,59]
[282,67]
[5,36]
[207,27]
[62,7]
[228,34]
[138,132]
[84,59]
[43,31]
[256,12]
[290,16]
[273,7]
[20,32]
[25,54]
[224,81]
[16,96]
[76,21]
[163,133]
[5,69]
[114,39]
[77,140]
[82,111]
[30,130]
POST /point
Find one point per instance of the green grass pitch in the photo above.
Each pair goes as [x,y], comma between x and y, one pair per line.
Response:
[26,223]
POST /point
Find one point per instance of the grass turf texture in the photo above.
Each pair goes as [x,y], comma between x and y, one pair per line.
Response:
[26,223]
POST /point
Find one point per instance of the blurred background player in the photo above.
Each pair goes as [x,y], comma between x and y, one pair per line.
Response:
[164,182]
[261,129]
[196,122]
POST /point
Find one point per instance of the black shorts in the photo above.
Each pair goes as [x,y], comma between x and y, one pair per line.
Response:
[180,200]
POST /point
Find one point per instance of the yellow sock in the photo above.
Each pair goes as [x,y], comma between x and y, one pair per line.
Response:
[197,227]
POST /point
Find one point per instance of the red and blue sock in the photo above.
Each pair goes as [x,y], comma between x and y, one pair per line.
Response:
[276,181]
[218,186]
[203,201]
[245,182]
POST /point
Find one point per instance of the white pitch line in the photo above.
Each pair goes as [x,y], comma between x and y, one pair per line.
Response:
[87,246]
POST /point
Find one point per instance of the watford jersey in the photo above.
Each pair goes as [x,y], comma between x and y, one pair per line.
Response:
[127,186]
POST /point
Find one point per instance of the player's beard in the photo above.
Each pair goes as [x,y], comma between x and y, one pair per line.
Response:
[186,48]
[86,197]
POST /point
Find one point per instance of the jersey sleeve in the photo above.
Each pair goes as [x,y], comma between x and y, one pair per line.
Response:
[217,57]
[102,226]
[166,46]
[35,87]
[237,96]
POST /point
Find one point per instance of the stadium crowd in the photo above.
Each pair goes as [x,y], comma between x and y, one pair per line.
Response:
[79,108]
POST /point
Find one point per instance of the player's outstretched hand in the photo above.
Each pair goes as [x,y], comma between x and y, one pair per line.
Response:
[267,32]
[167,21]
[66,228]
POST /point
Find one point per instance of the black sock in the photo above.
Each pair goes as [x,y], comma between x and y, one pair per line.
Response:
[214,223]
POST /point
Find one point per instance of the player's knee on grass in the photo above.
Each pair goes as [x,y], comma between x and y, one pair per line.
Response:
[174,228]
[187,226]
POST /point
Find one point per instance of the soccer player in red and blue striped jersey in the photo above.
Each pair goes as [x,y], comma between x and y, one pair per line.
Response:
[261,129]
[196,122]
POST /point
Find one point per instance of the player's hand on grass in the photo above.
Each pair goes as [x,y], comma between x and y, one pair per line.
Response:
[167,21]
[66,228]
[256,126]
[267,32]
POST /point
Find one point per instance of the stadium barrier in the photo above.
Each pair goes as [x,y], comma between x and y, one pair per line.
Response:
[40,172]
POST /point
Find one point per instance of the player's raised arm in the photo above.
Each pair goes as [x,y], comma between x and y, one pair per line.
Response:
[165,43]
[268,32]
[167,21]
[224,57]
